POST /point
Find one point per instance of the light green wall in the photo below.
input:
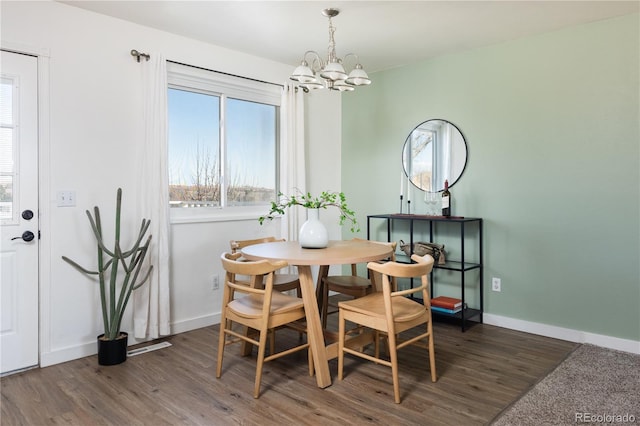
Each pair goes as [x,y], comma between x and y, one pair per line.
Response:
[552,125]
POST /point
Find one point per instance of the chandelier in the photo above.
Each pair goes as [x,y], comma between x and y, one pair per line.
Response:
[329,73]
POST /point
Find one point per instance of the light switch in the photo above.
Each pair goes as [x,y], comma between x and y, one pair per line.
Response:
[66,198]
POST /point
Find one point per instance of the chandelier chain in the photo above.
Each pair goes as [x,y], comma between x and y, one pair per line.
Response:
[332,57]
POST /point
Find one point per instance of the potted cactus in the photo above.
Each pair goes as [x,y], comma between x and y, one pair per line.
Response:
[119,273]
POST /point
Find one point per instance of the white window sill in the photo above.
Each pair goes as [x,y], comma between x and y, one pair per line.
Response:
[214,214]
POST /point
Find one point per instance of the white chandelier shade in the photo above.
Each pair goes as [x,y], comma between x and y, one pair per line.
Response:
[316,73]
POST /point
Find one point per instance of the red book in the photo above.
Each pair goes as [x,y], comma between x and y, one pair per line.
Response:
[446,302]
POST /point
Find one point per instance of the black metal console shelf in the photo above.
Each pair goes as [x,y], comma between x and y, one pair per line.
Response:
[467,316]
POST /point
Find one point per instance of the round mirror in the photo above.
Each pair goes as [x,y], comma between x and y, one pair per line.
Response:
[433,152]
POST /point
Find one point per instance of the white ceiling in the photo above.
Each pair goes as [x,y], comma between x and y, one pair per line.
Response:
[385,34]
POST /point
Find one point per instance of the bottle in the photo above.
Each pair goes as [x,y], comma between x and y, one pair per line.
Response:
[446,200]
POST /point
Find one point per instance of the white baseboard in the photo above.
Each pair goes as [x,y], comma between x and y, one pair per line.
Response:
[568,334]
[195,323]
[58,356]
[70,353]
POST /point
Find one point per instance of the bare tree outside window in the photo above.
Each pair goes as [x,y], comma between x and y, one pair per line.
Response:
[206,179]
[203,188]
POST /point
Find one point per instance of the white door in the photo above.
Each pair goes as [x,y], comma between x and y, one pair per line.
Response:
[18,212]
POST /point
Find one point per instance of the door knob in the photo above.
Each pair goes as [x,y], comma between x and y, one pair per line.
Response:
[27,215]
[26,236]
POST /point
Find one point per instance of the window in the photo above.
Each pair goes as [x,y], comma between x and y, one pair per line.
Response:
[7,150]
[223,140]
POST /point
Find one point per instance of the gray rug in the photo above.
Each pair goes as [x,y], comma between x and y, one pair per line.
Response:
[593,385]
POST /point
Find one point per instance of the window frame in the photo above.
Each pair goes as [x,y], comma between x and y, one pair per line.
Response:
[198,80]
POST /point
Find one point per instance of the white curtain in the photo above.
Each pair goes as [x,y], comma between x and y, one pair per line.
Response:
[151,301]
[292,155]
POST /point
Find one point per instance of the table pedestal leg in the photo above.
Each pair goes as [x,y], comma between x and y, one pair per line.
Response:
[314,327]
[322,273]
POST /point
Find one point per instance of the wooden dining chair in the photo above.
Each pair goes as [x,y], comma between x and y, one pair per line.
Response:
[282,282]
[351,285]
[255,307]
[391,313]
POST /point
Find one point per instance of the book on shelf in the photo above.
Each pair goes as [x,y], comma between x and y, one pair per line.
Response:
[445,310]
[446,302]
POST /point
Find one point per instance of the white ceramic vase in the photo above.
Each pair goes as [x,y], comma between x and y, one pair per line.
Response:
[313,233]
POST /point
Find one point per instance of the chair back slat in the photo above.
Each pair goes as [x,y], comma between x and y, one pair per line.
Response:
[391,271]
[259,267]
[237,245]
[256,271]
[285,280]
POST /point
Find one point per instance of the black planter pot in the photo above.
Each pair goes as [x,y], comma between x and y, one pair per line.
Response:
[112,352]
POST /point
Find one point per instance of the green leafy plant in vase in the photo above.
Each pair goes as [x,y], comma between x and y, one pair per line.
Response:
[119,273]
[312,233]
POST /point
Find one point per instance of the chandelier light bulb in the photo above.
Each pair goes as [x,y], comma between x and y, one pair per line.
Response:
[358,77]
[342,86]
[312,85]
[334,71]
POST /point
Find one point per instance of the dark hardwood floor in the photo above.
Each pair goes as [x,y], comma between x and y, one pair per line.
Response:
[480,372]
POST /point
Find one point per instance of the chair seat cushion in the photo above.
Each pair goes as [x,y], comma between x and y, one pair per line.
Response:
[404,309]
[347,281]
[250,306]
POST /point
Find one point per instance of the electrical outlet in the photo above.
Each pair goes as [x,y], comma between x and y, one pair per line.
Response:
[496,284]
[216,283]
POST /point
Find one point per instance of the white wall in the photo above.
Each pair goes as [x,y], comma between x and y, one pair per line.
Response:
[94,116]
[323,120]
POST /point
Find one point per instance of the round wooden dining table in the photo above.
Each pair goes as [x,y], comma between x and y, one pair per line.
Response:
[336,253]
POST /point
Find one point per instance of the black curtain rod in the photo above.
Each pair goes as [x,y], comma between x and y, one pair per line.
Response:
[225,73]
[139,55]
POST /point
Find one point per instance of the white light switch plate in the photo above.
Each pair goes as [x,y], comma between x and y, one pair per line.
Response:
[66,198]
